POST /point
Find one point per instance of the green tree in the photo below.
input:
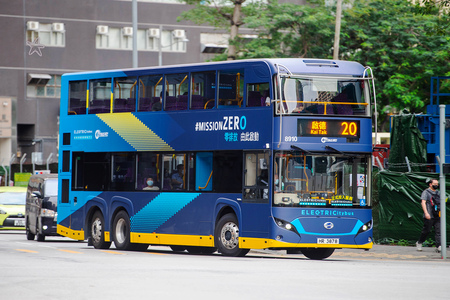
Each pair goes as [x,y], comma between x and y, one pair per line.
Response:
[222,14]
[403,48]
[290,30]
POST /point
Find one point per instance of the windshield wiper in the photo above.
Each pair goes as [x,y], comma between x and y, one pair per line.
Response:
[333,149]
[300,149]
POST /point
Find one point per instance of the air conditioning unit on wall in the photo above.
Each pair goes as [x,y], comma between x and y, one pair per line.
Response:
[179,33]
[101,29]
[31,25]
[153,32]
[127,31]
[58,27]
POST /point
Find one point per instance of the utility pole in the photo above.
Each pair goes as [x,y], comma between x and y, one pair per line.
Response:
[337,30]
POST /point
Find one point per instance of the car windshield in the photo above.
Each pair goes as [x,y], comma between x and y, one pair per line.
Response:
[9,198]
[51,187]
[321,180]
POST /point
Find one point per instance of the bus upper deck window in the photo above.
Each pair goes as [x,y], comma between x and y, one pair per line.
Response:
[77,97]
[231,89]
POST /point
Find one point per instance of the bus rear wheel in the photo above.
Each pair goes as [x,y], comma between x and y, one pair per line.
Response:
[317,253]
[97,232]
[121,231]
[227,236]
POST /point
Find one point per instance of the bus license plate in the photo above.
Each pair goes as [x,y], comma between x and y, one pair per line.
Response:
[19,223]
[327,241]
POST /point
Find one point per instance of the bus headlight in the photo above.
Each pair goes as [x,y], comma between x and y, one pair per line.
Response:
[366,227]
[285,225]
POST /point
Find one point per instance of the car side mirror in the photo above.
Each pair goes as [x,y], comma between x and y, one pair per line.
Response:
[37,195]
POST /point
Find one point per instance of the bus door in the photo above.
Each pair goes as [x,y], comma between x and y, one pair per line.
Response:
[204,171]
[256,194]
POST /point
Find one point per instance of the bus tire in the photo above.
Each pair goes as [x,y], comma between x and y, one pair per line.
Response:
[226,236]
[317,253]
[121,231]
[97,227]
[176,248]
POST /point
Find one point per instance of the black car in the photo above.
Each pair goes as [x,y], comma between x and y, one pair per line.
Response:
[40,208]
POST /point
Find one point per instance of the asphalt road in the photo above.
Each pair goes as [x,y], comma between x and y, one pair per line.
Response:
[60,268]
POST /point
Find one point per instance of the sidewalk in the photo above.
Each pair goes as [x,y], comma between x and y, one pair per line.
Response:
[379,252]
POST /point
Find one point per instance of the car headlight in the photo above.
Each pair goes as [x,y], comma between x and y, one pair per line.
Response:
[47,213]
[365,227]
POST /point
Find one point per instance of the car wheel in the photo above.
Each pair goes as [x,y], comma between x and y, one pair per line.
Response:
[30,236]
[40,237]
[97,232]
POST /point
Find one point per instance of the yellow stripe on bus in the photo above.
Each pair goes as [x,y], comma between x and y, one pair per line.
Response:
[73,234]
[172,239]
[136,133]
[258,243]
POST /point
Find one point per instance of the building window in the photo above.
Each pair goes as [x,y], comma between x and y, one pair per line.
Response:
[48,34]
[148,39]
[173,41]
[44,88]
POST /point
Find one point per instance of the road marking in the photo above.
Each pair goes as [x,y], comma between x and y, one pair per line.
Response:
[70,251]
[112,252]
[157,253]
[26,250]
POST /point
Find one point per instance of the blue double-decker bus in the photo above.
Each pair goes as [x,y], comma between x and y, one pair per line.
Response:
[228,157]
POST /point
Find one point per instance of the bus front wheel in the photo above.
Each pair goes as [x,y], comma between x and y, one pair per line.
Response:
[227,236]
[317,253]
[97,232]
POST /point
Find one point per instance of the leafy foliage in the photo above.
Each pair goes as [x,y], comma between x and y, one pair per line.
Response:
[290,30]
[404,43]
[403,48]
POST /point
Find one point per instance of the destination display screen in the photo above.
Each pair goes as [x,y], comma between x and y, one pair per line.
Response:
[328,128]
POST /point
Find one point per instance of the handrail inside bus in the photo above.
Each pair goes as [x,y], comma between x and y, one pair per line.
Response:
[179,87]
[131,89]
[120,90]
[207,182]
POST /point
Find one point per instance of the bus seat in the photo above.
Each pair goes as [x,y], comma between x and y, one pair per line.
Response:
[197,102]
[254,99]
[344,109]
[144,104]
[131,104]
[182,103]
[119,105]
[171,103]
[321,109]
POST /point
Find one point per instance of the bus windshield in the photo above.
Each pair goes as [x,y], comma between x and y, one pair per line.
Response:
[321,180]
[324,96]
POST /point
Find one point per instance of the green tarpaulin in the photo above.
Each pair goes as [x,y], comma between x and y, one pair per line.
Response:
[397,211]
[406,141]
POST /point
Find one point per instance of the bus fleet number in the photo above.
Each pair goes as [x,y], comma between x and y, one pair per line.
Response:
[290,138]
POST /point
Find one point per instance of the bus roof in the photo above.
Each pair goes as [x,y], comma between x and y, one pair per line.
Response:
[294,65]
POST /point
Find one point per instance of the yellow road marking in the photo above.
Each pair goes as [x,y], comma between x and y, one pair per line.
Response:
[157,253]
[112,252]
[26,250]
[70,251]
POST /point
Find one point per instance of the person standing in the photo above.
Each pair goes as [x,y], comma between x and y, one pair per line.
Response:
[431,205]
